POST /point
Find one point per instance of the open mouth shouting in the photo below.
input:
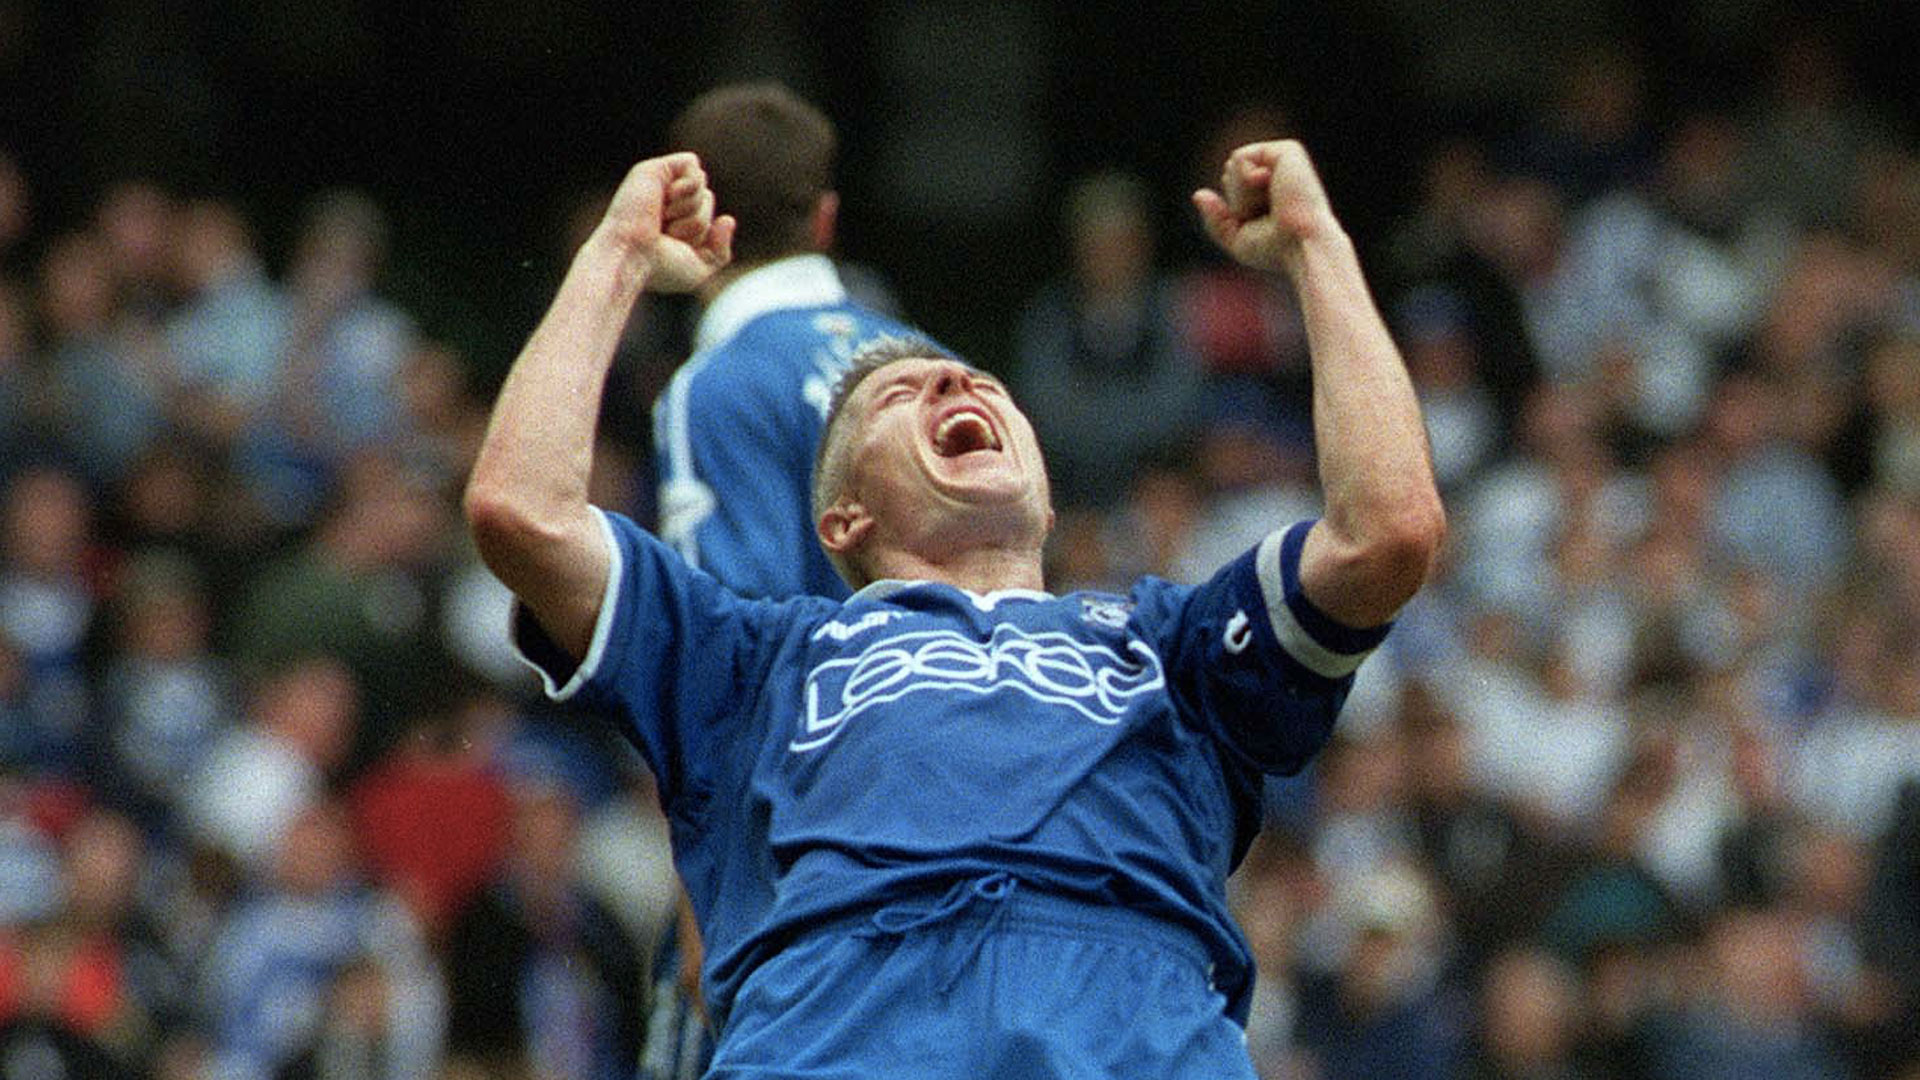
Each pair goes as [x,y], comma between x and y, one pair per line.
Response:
[965,430]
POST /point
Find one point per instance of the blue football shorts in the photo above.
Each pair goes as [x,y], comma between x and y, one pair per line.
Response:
[992,979]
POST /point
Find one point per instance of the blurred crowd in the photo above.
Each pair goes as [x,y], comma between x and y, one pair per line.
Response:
[275,798]
[1633,791]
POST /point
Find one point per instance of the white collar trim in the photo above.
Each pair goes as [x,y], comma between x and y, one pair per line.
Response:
[798,281]
[886,587]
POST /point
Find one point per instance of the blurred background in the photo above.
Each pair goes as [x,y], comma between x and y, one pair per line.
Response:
[1633,790]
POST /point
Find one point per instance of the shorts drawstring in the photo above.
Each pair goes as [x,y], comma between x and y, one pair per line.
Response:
[898,920]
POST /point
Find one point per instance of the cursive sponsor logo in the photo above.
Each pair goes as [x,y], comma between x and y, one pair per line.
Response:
[1092,680]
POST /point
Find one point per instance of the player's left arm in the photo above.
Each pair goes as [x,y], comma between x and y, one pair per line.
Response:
[1384,523]
[1251,658]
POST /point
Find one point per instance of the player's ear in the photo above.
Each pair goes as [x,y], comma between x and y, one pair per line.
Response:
[824,221]
[843,526]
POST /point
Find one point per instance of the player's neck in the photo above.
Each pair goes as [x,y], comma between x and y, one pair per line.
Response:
[977,570]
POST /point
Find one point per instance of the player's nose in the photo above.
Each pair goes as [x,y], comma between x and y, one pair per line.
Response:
[951,378]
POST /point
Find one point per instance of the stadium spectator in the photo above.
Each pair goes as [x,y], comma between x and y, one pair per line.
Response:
[541,974]
[165,696]
[1101,361]
[260,777]
[1529,1021]
[105,390]
[269,976]
[1388,1007]
[1594,135]
[17,377]
[49,599]
[362,588]
[228,339]
[336,393]
[431,817]
[1750,1014]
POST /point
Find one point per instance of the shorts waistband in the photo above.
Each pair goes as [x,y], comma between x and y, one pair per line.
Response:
[1002,901]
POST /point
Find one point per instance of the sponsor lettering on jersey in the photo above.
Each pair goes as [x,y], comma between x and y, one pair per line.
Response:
[840,631]
[1092,680]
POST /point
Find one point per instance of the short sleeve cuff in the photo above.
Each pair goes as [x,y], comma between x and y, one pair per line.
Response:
[560,677]
[1311,636]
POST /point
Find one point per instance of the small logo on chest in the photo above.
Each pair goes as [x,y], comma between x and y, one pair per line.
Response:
[1239,633]
[1101,611]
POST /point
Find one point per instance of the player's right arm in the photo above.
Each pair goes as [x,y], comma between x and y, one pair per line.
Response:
[526,500]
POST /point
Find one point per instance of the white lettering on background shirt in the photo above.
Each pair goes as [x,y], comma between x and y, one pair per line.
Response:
[831,360]
[1093,680]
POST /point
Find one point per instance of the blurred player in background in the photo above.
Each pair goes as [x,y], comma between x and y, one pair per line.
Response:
[737,427]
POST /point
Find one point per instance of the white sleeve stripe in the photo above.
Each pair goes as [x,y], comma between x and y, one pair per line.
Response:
[675,419]
[602,625]
[547,685]
[678,479]
[1294,638]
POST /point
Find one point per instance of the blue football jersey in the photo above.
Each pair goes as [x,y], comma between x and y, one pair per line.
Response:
[818,759]
[736,430]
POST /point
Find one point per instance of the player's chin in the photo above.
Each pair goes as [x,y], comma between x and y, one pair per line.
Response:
[1008,494]
[982,482]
